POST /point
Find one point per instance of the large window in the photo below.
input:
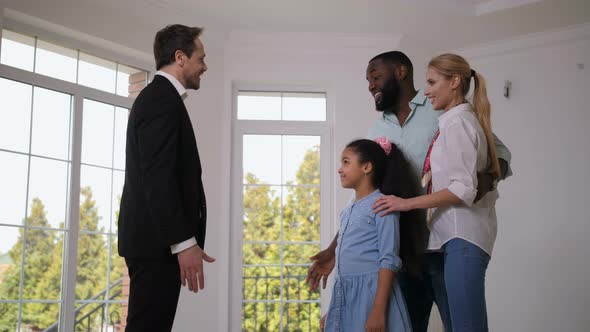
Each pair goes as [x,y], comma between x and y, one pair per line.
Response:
[63,118]
[281,139]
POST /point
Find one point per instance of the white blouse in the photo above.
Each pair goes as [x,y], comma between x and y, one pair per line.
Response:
[459,153]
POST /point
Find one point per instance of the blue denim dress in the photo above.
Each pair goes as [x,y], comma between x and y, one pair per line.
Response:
[366,244]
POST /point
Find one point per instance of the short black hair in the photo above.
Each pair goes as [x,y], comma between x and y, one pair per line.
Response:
[395,58]
[172,38]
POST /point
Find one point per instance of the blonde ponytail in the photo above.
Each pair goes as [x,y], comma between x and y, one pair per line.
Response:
[482,109]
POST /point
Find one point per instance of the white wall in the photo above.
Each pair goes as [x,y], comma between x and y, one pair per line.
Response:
[538,276]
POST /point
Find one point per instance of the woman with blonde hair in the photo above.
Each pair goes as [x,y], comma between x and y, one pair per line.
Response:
[461,227]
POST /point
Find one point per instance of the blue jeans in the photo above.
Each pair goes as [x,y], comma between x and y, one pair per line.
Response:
[421,291]
[465,266]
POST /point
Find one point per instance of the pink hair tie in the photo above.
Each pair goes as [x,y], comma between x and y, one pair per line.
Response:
[384,143]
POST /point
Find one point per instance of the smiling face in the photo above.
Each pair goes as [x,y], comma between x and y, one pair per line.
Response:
[352,172]
[440,90]
[194,66]
[383,85]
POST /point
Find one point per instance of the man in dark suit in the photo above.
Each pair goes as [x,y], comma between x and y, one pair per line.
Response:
[163,212]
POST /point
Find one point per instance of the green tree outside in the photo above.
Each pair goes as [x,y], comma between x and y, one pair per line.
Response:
[262,222]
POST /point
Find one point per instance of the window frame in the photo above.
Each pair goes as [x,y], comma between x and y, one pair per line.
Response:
[239,128]
[78,94]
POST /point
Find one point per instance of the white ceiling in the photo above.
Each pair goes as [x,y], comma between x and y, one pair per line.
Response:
[430,24]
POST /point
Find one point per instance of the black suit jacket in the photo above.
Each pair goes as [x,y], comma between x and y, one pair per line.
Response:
[163,201]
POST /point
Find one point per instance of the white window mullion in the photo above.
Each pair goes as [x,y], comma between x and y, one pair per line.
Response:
[24,244]
[71,244]
[110,230]
[235,252]
[282,236]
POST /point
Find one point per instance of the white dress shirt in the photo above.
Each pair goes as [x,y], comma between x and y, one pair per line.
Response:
[459,153]
[176,248]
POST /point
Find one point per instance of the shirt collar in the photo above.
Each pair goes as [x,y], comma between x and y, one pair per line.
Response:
[418,100]
[450,113]
[177,85]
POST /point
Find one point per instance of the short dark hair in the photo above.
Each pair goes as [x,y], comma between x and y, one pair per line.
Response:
[172,38]
[395,58]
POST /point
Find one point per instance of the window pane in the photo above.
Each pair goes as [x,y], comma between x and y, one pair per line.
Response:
[11,247]
[97,133]
[301,213]
[47,193]
[89,317]
[115,315]
[301,159]
[299,253]
[13,191]
[118,182]
[43,264]
[91,281]
[97,73]
[130,81]
[259,105]
[261,253]
[15,115]
[295,286]
[9,319]
[95,199]
[40,316]
[301,317]
[262,213]
[117,270]
[261,283]
[262,159]
[121,116]
[261,316]
[51,123]
[304,106]
[117,284]
[56,61]
[17,50]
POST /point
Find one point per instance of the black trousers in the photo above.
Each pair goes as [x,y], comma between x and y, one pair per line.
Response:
[153,294]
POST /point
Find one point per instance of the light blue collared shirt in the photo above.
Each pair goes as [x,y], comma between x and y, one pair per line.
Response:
[415,136]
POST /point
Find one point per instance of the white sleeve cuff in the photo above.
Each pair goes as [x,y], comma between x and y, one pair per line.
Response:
[466,194]
[176,248]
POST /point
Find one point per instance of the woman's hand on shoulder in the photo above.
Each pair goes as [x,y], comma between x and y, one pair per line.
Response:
[387,204]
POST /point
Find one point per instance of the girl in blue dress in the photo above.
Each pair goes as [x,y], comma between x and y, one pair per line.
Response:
[366,294]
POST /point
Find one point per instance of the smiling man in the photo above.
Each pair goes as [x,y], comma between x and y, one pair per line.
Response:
[163,212]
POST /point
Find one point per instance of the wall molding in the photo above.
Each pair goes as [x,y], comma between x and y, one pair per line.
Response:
[555,37]
[498,5]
